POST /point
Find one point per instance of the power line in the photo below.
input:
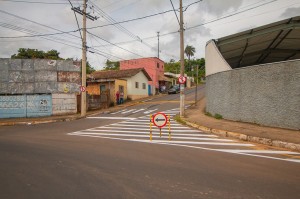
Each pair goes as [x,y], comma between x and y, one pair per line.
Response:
[39,35]
[144,17]
[35,2]
[175,11]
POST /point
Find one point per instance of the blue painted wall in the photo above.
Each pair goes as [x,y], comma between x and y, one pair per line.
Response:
[38,105]
[13,106]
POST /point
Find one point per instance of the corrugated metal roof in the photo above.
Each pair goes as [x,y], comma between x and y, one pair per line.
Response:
[279,41]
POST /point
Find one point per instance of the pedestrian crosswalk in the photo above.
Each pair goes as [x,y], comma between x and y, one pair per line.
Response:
[138,130]
[146,111]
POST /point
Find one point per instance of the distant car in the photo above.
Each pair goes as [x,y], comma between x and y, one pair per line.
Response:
[174,89]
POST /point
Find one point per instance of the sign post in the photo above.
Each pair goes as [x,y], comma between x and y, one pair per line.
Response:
[160,120]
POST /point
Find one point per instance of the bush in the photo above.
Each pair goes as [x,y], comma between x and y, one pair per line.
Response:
[218,116]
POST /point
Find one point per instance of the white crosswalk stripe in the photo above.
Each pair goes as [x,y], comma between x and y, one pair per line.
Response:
[138,130]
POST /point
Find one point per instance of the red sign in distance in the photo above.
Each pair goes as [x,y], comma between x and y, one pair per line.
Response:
[82,89]
[159,120]
[181,79]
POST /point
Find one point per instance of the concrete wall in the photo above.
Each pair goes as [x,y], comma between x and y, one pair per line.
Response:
[266,94]
[214,61]
[38,87]
[64,104]
[14,106]
[31,76]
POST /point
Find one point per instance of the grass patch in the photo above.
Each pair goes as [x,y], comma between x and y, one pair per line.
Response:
[177,118]
[208,114]
[218,116]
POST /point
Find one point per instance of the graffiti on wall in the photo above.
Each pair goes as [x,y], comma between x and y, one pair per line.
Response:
[12,106]
[39,105]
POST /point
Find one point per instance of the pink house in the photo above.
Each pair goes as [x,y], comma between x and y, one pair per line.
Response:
[154,67]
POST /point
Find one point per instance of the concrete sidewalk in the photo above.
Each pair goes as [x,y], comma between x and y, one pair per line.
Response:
[277,137]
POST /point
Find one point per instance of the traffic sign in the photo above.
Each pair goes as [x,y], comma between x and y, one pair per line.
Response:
[82,89]
[159,120]
[181,79]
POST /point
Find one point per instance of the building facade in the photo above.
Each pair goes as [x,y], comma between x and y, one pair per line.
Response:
[153,66]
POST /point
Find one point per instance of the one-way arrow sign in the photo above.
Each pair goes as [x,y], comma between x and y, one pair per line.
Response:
[159,120]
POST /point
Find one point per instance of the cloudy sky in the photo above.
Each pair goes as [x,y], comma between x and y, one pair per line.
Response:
[23,22]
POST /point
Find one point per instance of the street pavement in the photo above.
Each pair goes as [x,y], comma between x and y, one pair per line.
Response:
[110,155]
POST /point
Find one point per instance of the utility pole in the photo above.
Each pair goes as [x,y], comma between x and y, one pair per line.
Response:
[84,47]
[158,44]
[181,61]
[83,63]
[196,85]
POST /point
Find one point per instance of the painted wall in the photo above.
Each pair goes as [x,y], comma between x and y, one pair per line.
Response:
[63,103]
[28,86]
[214,61]
[266,94]
[149,64]
[135,93]
[31,76]
[25,106]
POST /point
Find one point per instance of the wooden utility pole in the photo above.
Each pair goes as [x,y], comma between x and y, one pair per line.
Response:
[83,63]
[84,48]
[181,61]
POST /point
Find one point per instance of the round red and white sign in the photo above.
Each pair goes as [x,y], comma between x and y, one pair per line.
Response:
[181,79]
[159,119]
[82,89]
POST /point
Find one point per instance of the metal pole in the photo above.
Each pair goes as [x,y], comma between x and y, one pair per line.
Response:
[83,66]
[181,61]
[158,45]
[196,86]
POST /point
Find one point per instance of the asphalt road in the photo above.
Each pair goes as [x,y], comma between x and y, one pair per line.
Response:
[91,158]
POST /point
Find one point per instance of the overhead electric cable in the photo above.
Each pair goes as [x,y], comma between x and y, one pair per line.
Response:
[175,12]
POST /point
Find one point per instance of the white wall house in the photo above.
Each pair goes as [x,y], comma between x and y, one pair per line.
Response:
[137,85]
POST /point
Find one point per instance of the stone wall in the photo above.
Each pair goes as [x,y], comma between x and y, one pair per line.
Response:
[28,76]
[38,87]
[266,94]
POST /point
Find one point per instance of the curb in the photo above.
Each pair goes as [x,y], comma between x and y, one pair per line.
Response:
[244,137]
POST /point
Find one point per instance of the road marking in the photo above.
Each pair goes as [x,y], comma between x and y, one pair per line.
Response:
[128,111]
[138,110]
[150,111]
[136,125]
[156,129]
[116,133]
[119,111]
[259,151]
[113,118]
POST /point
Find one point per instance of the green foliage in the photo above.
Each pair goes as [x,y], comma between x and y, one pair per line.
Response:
[110,65]
[28,53]
[208,114]
[189,51]
[178,119]
[190,67]
[89,68]
[218,116]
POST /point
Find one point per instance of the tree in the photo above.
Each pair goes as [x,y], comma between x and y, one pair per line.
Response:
[29,53]
[189,51]
[110,65]
[89,68]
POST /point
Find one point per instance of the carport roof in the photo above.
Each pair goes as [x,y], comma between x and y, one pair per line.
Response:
[279,41]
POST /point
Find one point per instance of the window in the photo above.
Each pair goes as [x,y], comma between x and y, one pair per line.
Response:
[102,88]
[136,85]
[157,65]
[144,85]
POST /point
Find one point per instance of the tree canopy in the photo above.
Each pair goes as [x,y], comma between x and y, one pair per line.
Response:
[27,53]
[111,65]
[189,51]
